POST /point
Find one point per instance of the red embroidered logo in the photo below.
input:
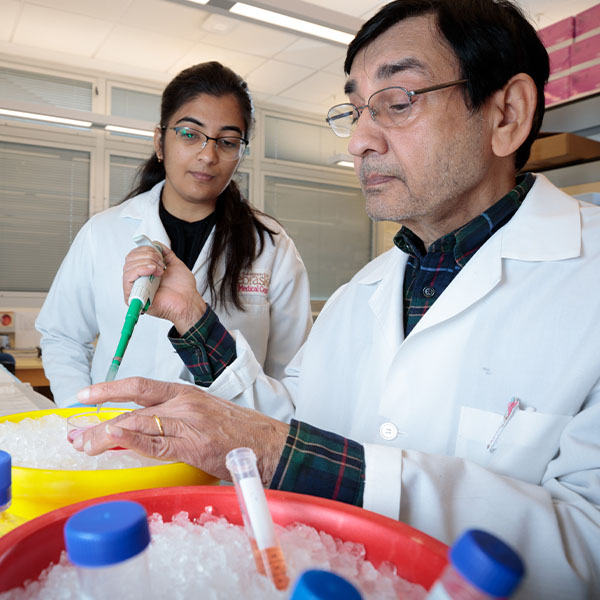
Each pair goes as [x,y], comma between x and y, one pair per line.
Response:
[251,282]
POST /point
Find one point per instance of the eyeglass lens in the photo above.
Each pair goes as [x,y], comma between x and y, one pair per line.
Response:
[389,106]
[228,147]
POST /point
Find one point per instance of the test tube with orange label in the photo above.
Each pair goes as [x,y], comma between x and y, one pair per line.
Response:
[258,523]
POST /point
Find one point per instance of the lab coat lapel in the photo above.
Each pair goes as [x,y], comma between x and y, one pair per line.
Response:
[144,209]
[480,276]
[386,301]
[546,227]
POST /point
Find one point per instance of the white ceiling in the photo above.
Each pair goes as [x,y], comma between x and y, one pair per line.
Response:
[155,39]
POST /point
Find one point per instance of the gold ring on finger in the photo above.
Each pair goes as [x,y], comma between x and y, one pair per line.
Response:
[161,429]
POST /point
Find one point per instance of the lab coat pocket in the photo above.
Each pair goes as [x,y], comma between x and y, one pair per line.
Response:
[523,448]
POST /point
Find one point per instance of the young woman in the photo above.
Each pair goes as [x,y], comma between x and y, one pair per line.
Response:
[245,265]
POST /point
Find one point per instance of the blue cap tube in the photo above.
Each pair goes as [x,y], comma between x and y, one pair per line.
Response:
[316,584]
[487,562]
[107,533]
[5,480]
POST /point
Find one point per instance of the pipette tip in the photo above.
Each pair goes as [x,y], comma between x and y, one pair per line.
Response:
[112,372]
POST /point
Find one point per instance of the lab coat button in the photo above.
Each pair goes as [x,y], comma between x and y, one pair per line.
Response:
[388,431]
[428,292]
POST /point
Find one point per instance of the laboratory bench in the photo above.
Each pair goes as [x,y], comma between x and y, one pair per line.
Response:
[30,370]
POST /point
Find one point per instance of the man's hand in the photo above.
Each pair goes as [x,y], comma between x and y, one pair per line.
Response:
[177,298]
[199,429]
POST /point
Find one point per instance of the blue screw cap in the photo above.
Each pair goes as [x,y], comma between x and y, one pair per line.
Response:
[5,479]
[316,584]
[487,562]
[107,533]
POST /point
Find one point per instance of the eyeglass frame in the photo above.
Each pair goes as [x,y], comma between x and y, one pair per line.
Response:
[409,93]
[244,141]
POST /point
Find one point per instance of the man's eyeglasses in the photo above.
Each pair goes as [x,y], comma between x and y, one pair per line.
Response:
[388,107]
[228,148]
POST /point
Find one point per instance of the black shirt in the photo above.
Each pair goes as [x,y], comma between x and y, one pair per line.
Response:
[187,239]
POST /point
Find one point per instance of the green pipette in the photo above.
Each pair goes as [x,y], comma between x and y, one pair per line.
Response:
[131,318]
[140,298]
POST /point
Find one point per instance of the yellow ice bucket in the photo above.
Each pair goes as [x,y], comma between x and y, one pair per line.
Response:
[38,491]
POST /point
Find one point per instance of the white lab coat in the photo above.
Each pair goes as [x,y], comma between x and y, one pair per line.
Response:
[86,300]
[522,319]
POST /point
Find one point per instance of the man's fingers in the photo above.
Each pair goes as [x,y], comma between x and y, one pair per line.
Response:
[145,392]
[138,432]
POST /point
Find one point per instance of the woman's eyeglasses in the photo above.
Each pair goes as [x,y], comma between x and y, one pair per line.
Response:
[228,148]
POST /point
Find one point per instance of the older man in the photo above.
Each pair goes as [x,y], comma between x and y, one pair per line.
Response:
[454,381]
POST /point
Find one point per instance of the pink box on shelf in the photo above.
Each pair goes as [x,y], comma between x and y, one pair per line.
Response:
[558,33]
[585,81]
[560,60]
[586,50]
[557,90]
[588,20]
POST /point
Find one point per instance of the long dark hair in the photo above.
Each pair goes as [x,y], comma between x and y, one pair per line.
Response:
[237,223]
[492,40]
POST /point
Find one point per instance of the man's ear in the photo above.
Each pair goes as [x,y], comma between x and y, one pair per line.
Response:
[511,111]
[158,142]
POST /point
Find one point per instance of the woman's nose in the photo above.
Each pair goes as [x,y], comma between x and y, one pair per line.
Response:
[209,152]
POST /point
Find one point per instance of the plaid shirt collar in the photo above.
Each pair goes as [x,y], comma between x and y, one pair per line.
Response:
[466,240]
[430,271]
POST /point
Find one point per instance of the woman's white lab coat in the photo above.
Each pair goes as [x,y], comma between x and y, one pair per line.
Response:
[86,300]
[521,320]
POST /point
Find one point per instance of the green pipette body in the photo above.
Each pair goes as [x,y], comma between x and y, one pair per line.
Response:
[131,318]
[140,298]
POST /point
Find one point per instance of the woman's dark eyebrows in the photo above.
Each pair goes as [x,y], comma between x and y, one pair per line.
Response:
[191,120]
[200,124]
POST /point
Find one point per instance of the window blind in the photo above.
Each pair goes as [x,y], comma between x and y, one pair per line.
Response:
[123,170]
[44,201]
[329,226]
[135,105]
[302,142]
[38,88]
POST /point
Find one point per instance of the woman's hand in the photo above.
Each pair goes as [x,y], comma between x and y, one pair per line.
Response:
[199,429]
[177,298]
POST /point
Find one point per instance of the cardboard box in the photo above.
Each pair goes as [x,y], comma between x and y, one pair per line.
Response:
[587,21]
[585,81]
[583,188]
[585,51]
[558,90]
[561,33]
[560,60]
[554,150]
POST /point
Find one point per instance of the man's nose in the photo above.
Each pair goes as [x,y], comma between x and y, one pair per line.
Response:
[367,136]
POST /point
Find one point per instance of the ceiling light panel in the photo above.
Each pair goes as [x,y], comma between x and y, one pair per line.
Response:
[280,20]
[40,117]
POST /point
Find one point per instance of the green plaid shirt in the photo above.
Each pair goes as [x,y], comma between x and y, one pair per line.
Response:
[429,272]
[321,463]
[206,349]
